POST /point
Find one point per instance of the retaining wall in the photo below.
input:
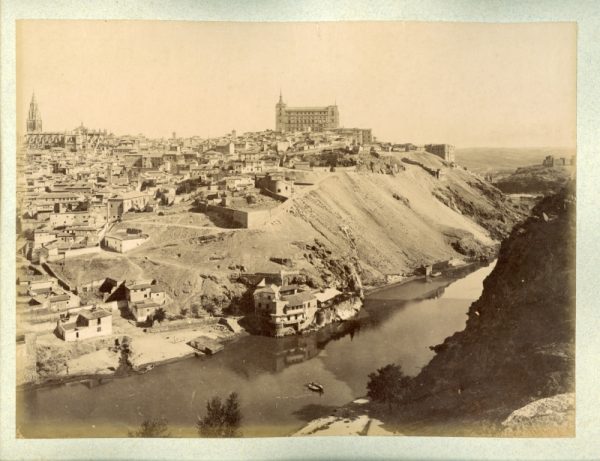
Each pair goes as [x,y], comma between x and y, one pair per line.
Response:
[248,219]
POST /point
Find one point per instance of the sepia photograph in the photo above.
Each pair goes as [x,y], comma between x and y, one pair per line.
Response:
[286,229]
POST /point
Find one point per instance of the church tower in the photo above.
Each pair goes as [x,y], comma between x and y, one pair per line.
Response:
[34,118]
[280,114]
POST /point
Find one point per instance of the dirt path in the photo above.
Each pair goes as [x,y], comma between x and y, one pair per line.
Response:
[187,226]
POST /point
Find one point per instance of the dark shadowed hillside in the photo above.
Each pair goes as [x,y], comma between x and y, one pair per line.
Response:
[536,179]
[518,345]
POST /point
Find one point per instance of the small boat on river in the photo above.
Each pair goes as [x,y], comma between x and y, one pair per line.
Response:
[315,387]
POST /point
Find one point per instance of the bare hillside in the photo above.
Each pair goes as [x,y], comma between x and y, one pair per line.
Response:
[346,227]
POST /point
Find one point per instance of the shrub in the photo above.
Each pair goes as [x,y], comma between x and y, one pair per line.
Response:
[387,385]
[159,315]
[152,428]
[221,419]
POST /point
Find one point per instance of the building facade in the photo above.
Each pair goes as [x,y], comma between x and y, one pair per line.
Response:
[284,310]
[144,298]
[89,323]
[305,118]
[444,151]
[358,135]
[76,140]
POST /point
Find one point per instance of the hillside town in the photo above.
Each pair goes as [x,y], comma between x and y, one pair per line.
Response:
[201,254]
[84,192]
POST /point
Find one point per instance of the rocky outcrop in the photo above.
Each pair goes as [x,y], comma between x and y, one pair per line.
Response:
[518,345]
[536,179]
[549,417]
[347,309]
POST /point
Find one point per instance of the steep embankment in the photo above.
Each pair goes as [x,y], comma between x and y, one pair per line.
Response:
[536,179]
[518,345]
[344,228]
[393,223]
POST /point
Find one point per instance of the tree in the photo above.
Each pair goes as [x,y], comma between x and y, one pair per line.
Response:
[159,315]
[387,385]
[156,427]
[221,419]
[210,307]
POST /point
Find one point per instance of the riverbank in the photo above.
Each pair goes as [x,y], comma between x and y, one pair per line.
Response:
[147,350]
[354,418]
[269,374]
[447,271]
[511,371]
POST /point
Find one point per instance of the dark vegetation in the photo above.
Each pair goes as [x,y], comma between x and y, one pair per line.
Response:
[388,385]
[152,428]
[537,179]
[519,342]
[222,419]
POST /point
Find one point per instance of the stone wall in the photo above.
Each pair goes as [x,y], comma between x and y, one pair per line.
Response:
[248,219]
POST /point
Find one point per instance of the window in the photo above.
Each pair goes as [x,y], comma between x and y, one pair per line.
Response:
[98,322]
[99,328]
[77,334]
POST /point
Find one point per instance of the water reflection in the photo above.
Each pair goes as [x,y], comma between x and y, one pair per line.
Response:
[397,325]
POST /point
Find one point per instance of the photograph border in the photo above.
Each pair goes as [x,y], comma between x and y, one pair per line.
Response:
[586,444]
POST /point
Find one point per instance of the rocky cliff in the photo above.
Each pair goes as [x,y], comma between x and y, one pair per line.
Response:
[536,179]
[518,345]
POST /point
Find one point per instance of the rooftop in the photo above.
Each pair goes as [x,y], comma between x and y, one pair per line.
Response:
[59,298]
[91,314]
[314,108]
[268,289]
[138,285]
[327,294]
[124,236]
[299,298]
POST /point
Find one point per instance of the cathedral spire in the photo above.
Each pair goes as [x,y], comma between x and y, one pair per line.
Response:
[34,119]
[280,97]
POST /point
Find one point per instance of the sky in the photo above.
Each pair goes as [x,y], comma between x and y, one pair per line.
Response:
[469,84]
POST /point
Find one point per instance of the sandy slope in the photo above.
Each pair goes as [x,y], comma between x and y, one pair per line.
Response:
[387,224]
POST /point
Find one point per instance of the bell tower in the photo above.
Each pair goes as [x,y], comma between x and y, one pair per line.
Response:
[34,118]
[280,114]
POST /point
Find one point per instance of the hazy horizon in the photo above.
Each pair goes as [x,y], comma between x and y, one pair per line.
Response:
[471,85]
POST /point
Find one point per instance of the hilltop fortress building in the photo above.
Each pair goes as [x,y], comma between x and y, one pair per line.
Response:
[305,118]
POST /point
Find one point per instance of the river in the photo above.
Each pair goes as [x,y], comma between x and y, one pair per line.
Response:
[396,325]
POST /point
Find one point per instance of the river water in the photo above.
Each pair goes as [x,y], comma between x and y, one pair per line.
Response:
[396,325]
